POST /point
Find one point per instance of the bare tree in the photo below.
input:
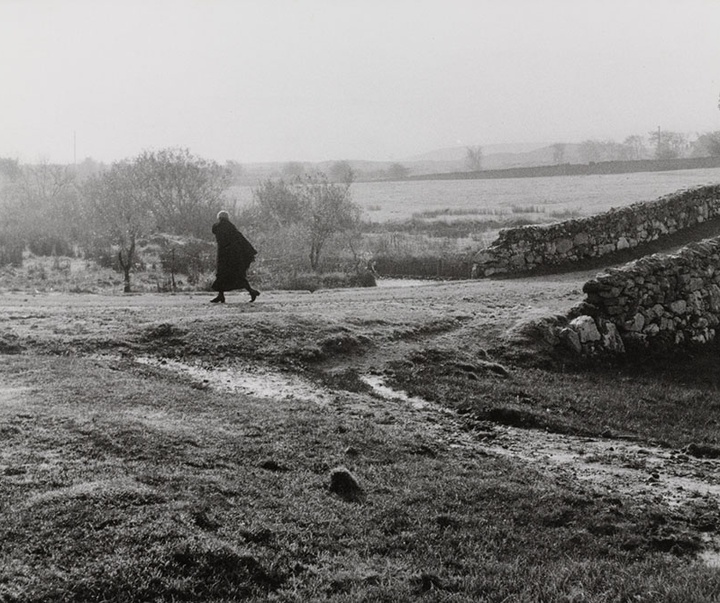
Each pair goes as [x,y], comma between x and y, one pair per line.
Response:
[341,171]
[707,145]
[303,215]
[185,191]
[42,202]
[398,171]
[474,158]
[634,147]
[668,145]
[329,211]
[590,151]
[119,208]
[276,205]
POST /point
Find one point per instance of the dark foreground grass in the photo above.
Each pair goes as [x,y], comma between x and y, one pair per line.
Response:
[121,483]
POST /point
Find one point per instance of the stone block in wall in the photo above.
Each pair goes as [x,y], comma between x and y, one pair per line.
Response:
[590,337]
[635,340]
[586,329]
[581,238]
[660,227]
[484,257]
[570,339]
[651,329]
[695,284]
[610,339]
[701,323]
[705,336]
[667,324]
[714,298]
[636,324]
[563,246]
[679,306]
[654,311]
[615,310]
[583,308]
[695,303]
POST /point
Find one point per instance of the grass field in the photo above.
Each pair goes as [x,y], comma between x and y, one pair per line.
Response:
[512,197]
[160,448]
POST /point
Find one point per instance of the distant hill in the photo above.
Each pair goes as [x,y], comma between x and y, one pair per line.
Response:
[440,161]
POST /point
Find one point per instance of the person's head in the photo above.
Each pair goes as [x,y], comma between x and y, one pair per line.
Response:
[223,215]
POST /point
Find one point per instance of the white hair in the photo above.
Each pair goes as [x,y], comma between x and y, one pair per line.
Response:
[223,214]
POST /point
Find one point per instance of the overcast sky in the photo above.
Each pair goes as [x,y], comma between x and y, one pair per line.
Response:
[312,80]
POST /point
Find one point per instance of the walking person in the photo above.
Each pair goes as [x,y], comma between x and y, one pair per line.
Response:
[234,256]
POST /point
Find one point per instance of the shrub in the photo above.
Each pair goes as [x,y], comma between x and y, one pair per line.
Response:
[11,251]
[449,266]
[50,245]
[332,280]
[192,258]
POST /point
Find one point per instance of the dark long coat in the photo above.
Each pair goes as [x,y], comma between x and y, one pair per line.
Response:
[234,256]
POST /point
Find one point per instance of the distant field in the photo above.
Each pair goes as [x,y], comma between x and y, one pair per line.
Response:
[586,195]
[556,196]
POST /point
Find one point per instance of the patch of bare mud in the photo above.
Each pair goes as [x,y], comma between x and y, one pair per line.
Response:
[379,387]
[254,380]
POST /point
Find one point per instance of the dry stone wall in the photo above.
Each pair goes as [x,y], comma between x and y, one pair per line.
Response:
[524,249]
[658,302]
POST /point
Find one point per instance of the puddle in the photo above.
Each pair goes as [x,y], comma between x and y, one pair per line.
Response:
[711,558]
[260,382]
[382,390]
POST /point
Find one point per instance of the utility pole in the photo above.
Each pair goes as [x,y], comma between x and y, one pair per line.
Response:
[74,148]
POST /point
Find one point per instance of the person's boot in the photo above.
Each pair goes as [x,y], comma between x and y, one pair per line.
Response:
[219,299]
[253,294]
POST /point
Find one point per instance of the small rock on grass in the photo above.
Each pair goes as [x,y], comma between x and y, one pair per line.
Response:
[272,465]
[345,485]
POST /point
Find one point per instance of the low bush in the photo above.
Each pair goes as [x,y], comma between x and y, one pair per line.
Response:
[50,245]
[11,251]
[191,258]
[450,266]
[311,281]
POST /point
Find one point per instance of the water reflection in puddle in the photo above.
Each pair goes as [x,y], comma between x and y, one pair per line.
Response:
[382,390]
[256,381]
